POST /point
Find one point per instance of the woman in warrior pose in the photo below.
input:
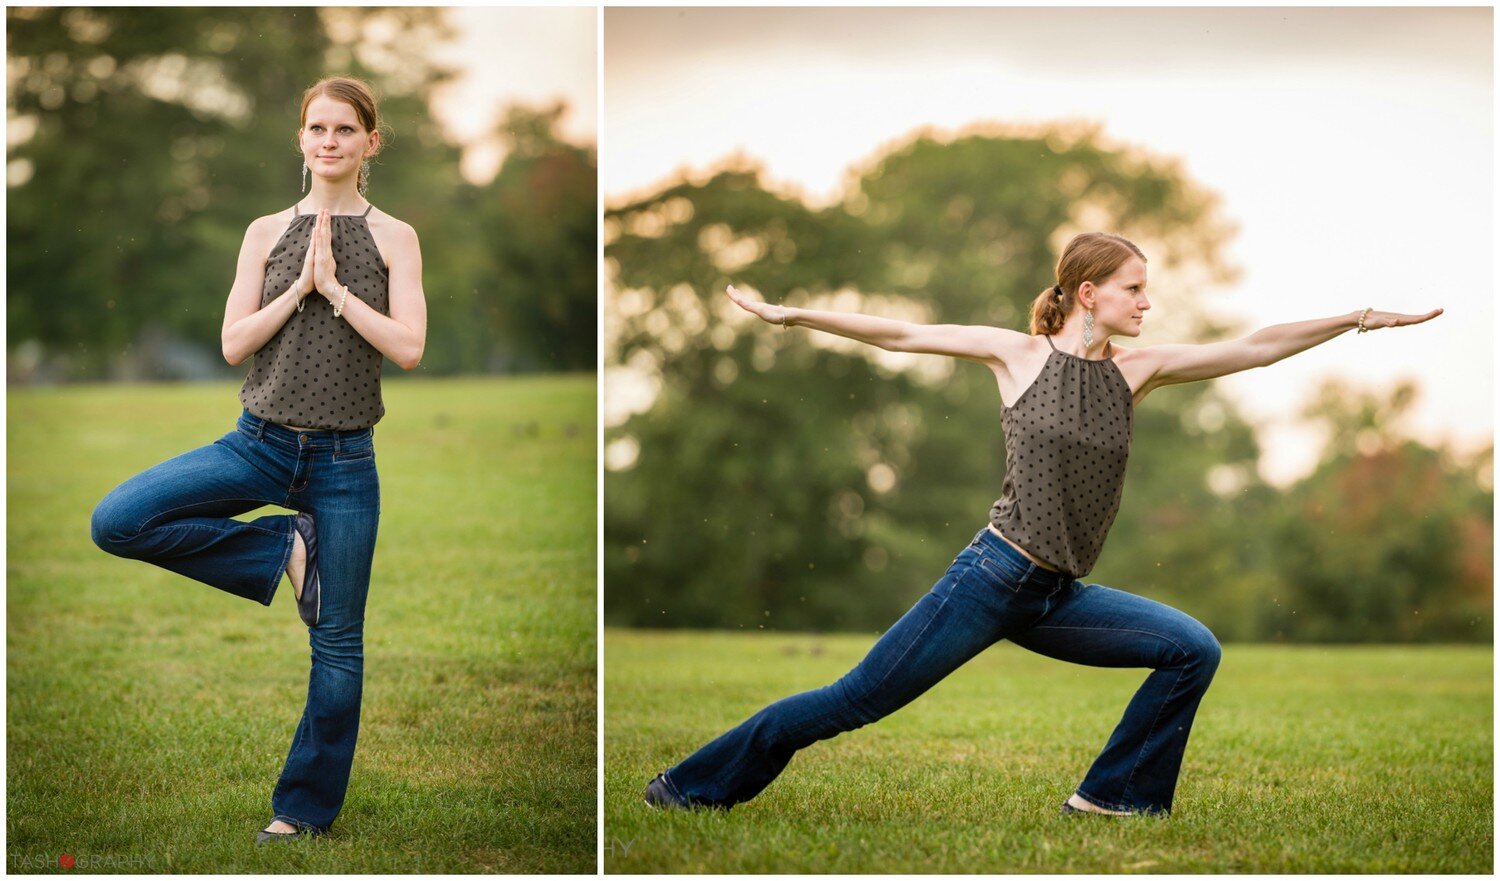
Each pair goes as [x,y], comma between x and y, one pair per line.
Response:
[305,440]
[1068,397]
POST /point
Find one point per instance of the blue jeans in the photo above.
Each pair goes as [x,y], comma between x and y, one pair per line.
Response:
[177,515]
[991,592]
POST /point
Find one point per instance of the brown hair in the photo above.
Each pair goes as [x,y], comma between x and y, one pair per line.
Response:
[1090,256]
[357,94]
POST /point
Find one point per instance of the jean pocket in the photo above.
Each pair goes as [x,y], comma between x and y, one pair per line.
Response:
[1003,572]
[358,454]
[969,551]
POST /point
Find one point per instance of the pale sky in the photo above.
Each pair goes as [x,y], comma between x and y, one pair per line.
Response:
[527,55]
[1352,147]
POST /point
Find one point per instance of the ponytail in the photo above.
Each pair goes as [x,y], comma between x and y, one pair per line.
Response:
[1049,311]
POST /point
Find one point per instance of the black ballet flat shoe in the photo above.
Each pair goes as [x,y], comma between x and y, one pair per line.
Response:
[659,794]
[1069,811]
[311,601]
[263,837]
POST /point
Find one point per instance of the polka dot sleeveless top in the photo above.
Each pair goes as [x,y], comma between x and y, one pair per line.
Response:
[1066,441]
[317,371]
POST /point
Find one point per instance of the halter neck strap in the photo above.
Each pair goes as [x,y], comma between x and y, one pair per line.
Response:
[297,211]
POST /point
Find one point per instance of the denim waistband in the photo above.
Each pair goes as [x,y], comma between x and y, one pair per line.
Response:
[310,439]
[1036,575]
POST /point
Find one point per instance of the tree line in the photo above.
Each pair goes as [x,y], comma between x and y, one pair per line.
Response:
[758,478]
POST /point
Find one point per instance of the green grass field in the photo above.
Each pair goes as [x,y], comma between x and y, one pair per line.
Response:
[149,715]
[1303,759]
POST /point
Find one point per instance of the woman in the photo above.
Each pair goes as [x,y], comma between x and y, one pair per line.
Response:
[1068,397]
[305,438]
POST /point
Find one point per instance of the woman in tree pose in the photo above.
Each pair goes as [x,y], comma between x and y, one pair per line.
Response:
[305,440]
[1068,396]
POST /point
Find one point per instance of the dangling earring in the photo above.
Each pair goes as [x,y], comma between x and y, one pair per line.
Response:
[1088,328]
[364,176]
[304,176]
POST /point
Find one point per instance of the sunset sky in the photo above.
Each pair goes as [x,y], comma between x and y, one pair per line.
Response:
[530,56]
[1352,147]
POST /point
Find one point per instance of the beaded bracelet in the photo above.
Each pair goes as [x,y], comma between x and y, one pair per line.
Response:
[1362,328]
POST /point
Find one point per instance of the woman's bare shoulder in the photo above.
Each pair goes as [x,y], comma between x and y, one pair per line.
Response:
[394,238]
[264,231]
[278,221]
[1137,364]
[390,229]
[1013,344]
[1135,353]
[281,219]
[389,222]
[1140,357]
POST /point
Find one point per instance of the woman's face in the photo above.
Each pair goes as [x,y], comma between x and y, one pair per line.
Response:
[333,141]
[1120,302]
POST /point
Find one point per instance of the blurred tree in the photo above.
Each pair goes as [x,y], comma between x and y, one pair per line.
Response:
[795,480]
[712,523]
[1388,540]
[540,216]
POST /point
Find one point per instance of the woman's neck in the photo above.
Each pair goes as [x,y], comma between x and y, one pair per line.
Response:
[335,198]
[1070,340]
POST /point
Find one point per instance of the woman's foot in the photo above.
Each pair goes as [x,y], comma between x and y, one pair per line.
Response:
[297,566]
[309,593]
[660,795]
[280,831]
[1079,804]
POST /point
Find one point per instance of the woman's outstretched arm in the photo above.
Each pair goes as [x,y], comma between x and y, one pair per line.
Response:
[976,343]
[1173,364]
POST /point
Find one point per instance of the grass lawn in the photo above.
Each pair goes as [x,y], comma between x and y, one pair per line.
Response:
[1302,759]
[149,715]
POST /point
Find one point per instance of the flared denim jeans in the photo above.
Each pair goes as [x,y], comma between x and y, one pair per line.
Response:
[178,515]
[991,592]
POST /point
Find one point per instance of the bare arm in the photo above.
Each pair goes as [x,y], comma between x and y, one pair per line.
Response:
[402,336]
[247,326]
[976,343]
[1173,364]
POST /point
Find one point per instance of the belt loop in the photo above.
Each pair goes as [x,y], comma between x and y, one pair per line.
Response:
[338,437]
[260,428]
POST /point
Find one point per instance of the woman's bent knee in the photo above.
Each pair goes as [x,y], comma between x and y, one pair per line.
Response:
[1204,650]
[110,529]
